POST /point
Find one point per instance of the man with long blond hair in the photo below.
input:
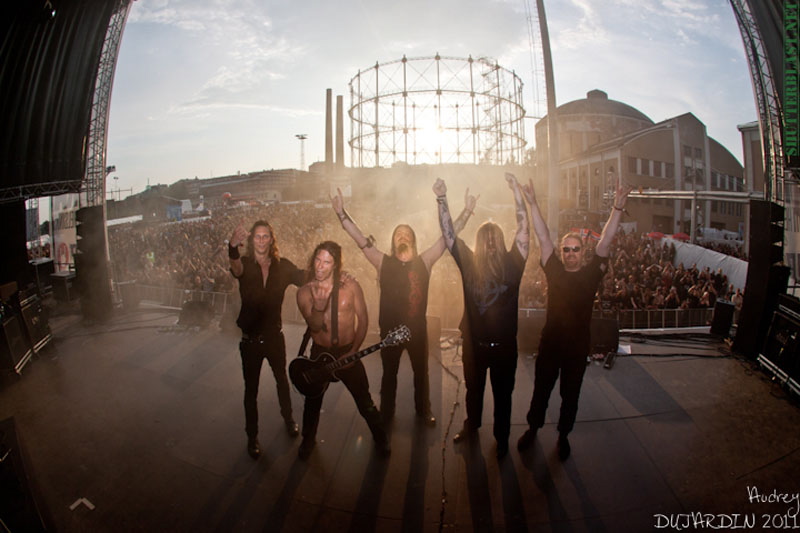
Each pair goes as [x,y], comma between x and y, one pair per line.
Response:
[490,277]
[263,278]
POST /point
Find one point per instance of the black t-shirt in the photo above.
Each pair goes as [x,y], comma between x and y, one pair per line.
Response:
[570,296]
[404,294]
[261,305]
[490,312]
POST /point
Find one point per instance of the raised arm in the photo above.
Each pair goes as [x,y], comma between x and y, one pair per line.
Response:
[539,225]
[523,236]
[432,254]
[238,238]
[372,254]
[612,224]
[445,220]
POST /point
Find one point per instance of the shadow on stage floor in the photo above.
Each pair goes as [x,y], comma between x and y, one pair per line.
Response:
[138,425]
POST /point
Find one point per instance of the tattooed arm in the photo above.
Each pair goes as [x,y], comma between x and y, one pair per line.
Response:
[523,236]
[432,254]
[546,246]
[445,220]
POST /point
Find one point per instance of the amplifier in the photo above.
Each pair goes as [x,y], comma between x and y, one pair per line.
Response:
[781,353]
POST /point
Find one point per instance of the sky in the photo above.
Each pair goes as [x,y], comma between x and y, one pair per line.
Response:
[207,88]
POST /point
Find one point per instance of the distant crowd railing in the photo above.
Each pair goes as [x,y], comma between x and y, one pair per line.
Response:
[221,303]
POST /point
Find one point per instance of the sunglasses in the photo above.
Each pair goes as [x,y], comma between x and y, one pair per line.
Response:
[567,249]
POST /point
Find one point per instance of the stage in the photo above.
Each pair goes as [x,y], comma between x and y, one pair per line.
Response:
[138,425]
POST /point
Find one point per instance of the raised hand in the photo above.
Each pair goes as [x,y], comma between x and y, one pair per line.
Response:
[320,295]
[511,179]
[470,201]
[621,196]
[337,202]
[439,187]
[239,235]
[530,194]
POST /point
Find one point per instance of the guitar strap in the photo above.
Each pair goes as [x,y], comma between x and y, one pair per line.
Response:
[306,337]
[335,312]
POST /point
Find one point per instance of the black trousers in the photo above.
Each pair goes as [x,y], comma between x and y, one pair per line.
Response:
[549,364]
[355,379]
[253,352]
[417,349]
[501,364]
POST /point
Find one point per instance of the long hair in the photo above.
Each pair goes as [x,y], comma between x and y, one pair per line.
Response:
[273,246]
[489,264]
[336,252]
[413,236]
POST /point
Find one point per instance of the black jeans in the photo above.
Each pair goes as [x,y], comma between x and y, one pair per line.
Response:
[253,352]
[501,363]
[355,379]
[548,365]
[418,354]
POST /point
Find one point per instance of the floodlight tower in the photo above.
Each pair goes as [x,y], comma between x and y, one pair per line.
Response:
[302,137]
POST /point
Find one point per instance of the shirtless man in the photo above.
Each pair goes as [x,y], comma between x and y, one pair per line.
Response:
[314,301]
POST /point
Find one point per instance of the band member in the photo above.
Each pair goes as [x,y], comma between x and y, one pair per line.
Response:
[490,277]
[565,342]
[263,277]
[403,277]
[316,301]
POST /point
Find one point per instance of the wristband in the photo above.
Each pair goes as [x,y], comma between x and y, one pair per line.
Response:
[369,243]
[619,208]
[233,252]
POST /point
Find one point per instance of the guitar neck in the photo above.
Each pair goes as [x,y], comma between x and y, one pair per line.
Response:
[344,361]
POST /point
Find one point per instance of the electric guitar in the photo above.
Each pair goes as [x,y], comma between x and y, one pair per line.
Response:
[311,376]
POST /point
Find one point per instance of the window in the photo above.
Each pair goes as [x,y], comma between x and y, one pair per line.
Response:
[669,170]
[632,165]
[713,206]
[698,153]
[657,168]
[645,167]
[687,150]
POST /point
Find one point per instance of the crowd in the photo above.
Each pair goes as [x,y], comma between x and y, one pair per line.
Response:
[193,255]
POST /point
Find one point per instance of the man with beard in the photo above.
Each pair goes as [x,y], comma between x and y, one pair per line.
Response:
[566,336]
[403,277]
[316,302]
[490,277]
[263,277]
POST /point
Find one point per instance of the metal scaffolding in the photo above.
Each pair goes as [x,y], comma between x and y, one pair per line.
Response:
[93,187]
[767,100]
[436,110]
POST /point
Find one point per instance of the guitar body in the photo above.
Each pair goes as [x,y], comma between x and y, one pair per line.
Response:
[310,376]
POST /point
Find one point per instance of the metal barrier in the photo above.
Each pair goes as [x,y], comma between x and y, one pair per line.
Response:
[643,318]
[221,303]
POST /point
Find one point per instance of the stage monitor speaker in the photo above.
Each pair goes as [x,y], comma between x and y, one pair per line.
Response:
[196,313]
[760,301]
[722,318]
[14,348]
[604,335]
[36,323]
[21,505]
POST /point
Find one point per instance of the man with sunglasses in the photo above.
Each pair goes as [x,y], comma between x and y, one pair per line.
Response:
[565,341]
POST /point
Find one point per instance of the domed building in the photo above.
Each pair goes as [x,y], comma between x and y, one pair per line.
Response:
[600,138]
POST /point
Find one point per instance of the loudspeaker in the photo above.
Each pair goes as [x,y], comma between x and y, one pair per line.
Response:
[36,324]
[14,348]
[760,301]
[21,505]
[722,318]
[604,335]
[196,313]
[91,268]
